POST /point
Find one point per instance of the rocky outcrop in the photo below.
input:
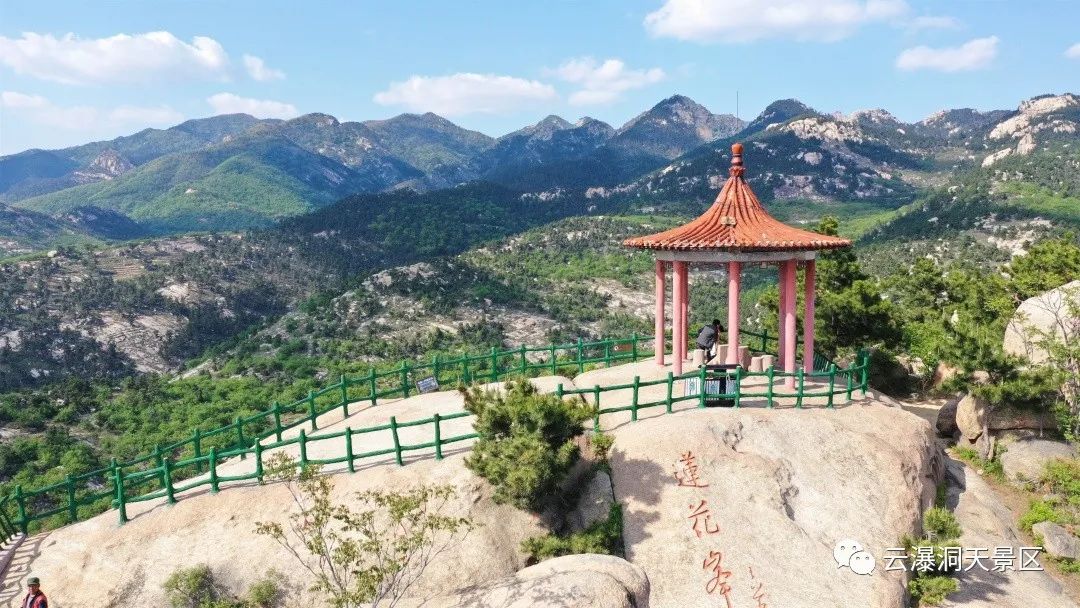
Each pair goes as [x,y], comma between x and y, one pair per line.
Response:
[596,581]
[1025,460]
[971,417]
[753,499]
[595,503]
[1057,541]
[986,522]
[1046,315]
[946,418]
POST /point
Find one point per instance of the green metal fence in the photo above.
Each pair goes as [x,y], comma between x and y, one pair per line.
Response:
[163,472]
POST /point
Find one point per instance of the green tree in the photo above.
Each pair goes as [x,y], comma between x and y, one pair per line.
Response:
[369,551]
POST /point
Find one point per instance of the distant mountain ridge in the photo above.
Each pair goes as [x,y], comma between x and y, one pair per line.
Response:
[236,171]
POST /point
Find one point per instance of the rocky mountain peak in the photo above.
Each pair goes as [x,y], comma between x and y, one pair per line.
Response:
[110,163]
[1045,104]
[875,115]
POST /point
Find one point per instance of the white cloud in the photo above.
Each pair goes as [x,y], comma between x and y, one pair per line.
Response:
[748,20]
[971,55]
[256,68]
[39,110]
[228,103]
[1073,52]
[121,58]
[603,82]
[464,93]
[934,22]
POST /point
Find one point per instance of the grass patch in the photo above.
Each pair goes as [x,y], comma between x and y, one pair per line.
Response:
[604,537]
[990,467]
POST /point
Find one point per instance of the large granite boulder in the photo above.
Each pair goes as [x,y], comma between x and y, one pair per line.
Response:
[595,502]
[1057,541]
[1047,314]
[971,416]
[1025,460]
[946,418]
[573,581]
[749,500]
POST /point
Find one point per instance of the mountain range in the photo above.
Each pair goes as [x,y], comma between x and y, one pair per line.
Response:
[235,171]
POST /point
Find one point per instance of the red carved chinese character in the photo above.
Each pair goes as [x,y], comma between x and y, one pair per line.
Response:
[759,590]
[720,576]
[687,474]
[700,515]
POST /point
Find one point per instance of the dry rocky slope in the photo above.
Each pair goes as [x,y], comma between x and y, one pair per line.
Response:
[784,486]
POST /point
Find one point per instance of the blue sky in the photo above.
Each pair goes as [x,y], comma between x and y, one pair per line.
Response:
[72,72]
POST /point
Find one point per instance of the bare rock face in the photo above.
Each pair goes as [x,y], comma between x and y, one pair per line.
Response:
[745,502]
[1057,541]
[600,581]
[595,503]
[946,418]
[971,416]
[1038,318]
[1025,460]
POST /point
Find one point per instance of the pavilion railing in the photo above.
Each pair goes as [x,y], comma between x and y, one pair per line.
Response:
[193,462]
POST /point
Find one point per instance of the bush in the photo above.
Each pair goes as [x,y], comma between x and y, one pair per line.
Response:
[940,525]
[195,588]
[604,537]
[931,590]
[526,442]
[1039,510]
[601,445]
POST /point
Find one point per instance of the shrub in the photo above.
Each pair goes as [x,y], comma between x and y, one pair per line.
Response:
[940,525]
[604,537]
[195,588]
[931,590]
[1039,510]
[601,445]
[1063,477]
[526,442]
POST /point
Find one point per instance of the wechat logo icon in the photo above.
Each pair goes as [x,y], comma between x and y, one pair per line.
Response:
[852,554]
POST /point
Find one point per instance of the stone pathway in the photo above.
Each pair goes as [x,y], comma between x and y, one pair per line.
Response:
[988,523]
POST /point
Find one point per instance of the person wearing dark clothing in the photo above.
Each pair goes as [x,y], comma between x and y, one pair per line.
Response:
[34,597]
[707,337]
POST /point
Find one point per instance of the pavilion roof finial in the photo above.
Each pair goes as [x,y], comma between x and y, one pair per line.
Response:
[737,168]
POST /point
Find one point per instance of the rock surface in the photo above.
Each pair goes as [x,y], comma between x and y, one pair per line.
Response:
[946,418]
[988,523]
[600,581]
[1024,460]
[1047,314]
[595,503]
[1057,541]
[971,416]
[782,488]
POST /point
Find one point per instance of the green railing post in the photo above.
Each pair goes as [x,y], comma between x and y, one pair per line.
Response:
[596,404]
[196,440]
[559,391]
[524,361]
[349,451]
[436,368]
[371,387]
[438,437]
[634,401]
[344,396]
[466,376]
[580,356]
[240,436]
[159,463]
[832,383]
[799,388]
[73,507]
[865,372]
[20,501]
[849,388]
[769,386]
[670,390]
[170,493]
[738,385]
[494,364]
[303,450]
[397,441]
[607,353]
[405,379]
[215,484]
[312,412]
[554,365]
[701,387]
[634,347]
[277,421]
[118,487]
[259,461]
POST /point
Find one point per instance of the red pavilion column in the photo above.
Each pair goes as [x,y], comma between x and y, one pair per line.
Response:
[661,296]
[678,331]
[808,319]
[781,285]
[789,321]
[685,308]
[734,269]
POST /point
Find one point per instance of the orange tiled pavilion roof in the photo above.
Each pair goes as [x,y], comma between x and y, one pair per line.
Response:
[737,222]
